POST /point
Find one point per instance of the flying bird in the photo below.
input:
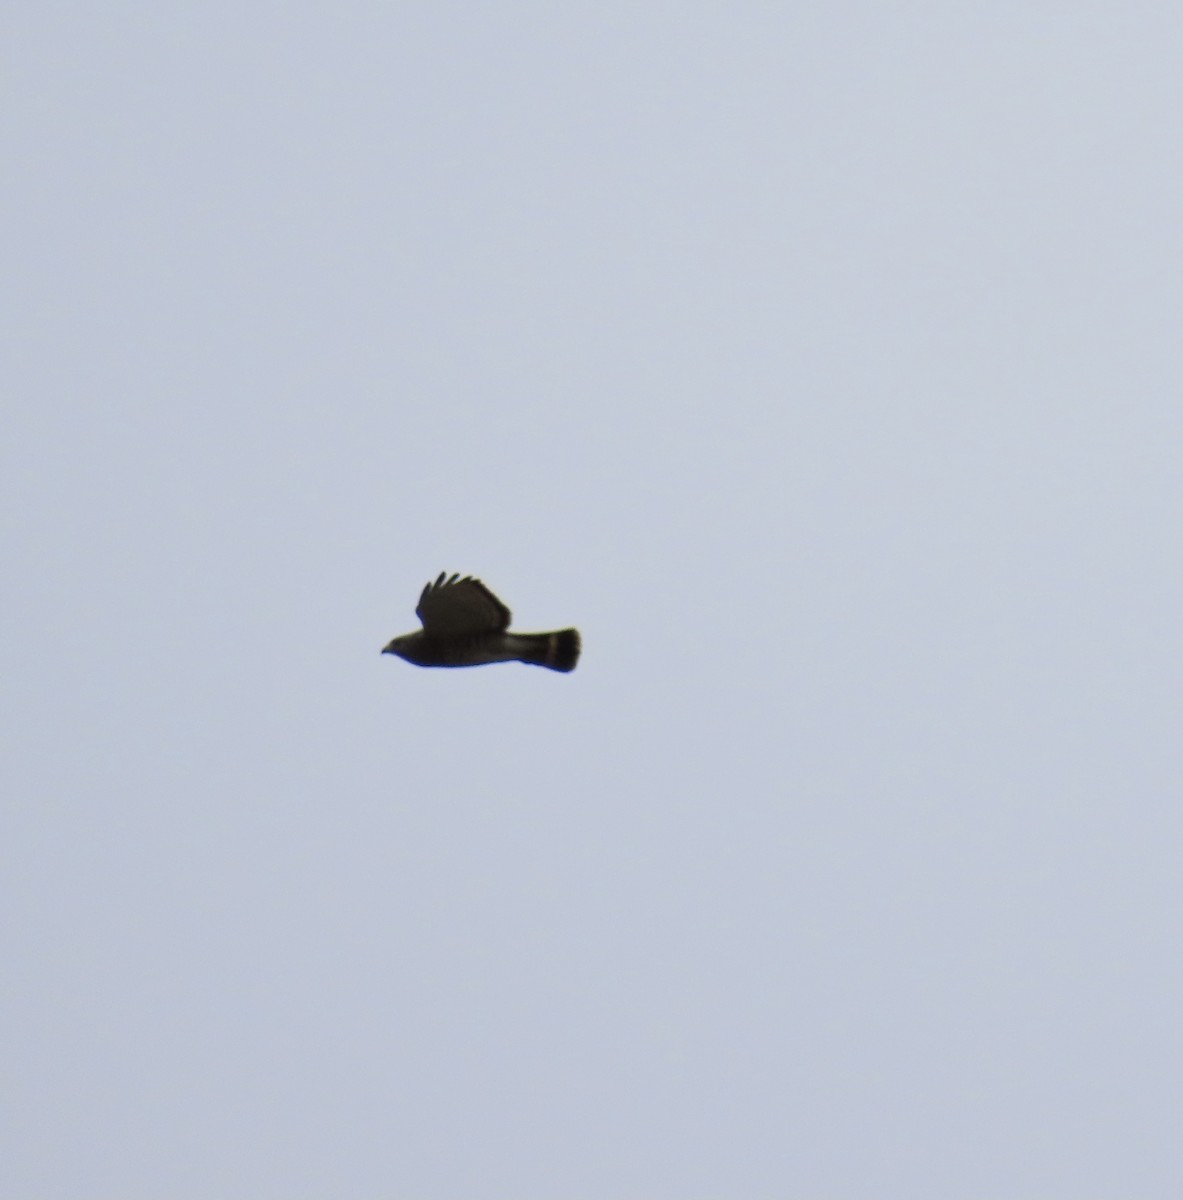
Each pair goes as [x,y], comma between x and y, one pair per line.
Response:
[465,625]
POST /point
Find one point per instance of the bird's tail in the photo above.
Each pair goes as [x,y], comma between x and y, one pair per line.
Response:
[559,650]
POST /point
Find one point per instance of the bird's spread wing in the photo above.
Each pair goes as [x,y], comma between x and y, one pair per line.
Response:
[457,607]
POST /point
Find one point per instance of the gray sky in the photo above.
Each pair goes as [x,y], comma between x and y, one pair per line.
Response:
[821,363]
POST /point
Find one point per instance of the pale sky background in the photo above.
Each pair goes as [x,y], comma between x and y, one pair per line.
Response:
[822,363]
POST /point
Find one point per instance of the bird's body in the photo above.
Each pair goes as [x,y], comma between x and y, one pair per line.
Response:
[465,625]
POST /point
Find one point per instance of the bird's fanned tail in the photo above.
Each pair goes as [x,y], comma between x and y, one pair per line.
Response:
[559,650]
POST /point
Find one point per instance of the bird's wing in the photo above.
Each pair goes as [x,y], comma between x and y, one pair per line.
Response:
[453,607]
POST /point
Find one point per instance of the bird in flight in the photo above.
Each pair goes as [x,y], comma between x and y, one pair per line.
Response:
[465,625]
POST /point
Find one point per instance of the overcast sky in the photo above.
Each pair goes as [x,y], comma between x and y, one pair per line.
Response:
[822,364]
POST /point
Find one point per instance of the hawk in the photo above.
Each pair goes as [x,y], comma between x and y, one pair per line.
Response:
[465,625]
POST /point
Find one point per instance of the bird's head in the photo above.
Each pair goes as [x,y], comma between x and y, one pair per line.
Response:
[395,645]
